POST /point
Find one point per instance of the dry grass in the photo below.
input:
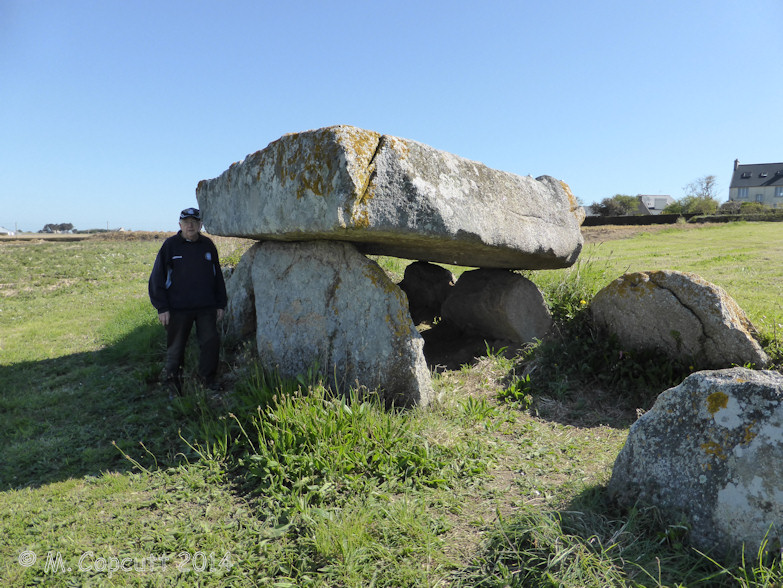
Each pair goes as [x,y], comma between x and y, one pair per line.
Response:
[614,232]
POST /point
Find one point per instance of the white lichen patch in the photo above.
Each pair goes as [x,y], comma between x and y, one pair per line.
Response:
[731,415]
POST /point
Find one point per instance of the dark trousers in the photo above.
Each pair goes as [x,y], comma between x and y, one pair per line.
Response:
[177,333]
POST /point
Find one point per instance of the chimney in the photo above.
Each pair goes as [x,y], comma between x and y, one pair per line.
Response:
[736,164]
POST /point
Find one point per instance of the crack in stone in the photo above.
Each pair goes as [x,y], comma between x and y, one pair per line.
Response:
[372,172]
[704,334]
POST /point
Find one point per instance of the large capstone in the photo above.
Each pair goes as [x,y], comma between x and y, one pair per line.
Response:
[396,197]
[324,306]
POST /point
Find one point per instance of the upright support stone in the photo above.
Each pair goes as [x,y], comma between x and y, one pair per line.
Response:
[498,304]
[323,304]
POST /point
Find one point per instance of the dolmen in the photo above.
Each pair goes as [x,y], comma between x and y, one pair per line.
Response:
[318,202]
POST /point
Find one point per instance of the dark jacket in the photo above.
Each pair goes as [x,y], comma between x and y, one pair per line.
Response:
[187,276]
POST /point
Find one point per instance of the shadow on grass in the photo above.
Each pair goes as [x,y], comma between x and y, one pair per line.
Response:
[590,543]
[60,418]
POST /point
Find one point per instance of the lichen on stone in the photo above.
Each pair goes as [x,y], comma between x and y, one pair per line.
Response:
[716,401]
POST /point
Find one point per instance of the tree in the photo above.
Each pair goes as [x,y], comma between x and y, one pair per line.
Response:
[699,205]
[699,198]
[56,228]
[704,187]
[617,205]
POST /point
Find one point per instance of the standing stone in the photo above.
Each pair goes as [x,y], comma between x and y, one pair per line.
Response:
[498,304]
[681,315]
[240,318]
[426,285]
[396,197]
[711,449]
[323,304]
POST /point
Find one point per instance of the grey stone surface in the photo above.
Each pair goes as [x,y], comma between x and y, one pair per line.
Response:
[240,319]
[711,449]
[498,304]
[681,315]
[396,197]
[324,304]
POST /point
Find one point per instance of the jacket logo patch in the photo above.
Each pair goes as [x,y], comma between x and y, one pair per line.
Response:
[176,257]
[208,256]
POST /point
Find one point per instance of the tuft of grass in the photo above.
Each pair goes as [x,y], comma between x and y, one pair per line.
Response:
[314,447]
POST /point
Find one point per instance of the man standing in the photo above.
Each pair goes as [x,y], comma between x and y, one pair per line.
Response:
[186,286]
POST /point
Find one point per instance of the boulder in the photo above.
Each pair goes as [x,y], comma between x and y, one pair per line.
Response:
[240,318]
[324,305]
[680,315]
[711,450]
[498,304]
[395,197]
[426,285]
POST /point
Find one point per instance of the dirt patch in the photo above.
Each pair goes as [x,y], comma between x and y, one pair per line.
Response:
[613,232]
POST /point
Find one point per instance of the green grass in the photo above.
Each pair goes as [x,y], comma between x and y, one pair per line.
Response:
[281,483]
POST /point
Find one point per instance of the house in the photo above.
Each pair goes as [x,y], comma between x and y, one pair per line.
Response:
[653,204]
[4,231]
[757,182]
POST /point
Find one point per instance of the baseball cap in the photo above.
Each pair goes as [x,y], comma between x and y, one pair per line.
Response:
[194,212]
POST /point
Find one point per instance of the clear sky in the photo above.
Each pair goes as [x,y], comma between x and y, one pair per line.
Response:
[111,111]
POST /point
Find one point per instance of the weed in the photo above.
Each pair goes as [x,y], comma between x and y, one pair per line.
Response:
[518,392]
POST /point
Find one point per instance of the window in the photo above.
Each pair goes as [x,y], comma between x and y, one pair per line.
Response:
[742,193]
[759,197]
[746,175]
[778,191]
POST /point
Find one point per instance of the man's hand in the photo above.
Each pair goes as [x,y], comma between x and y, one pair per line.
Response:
[220,313]
[163,317]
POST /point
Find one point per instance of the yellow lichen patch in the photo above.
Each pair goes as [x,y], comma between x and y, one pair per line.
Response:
[379,278]
[749,433]
[398,327]
[361,219]
[313,165]
[716,401]
[634,283]
[573,203]
[361,148]
[714,449]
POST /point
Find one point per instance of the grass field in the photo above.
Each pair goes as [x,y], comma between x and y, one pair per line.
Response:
[106,482]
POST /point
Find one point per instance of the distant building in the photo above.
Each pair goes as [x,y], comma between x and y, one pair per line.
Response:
[757,182]
[4,231]
[653,204]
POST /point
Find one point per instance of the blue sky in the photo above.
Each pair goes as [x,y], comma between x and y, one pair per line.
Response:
[111,111]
